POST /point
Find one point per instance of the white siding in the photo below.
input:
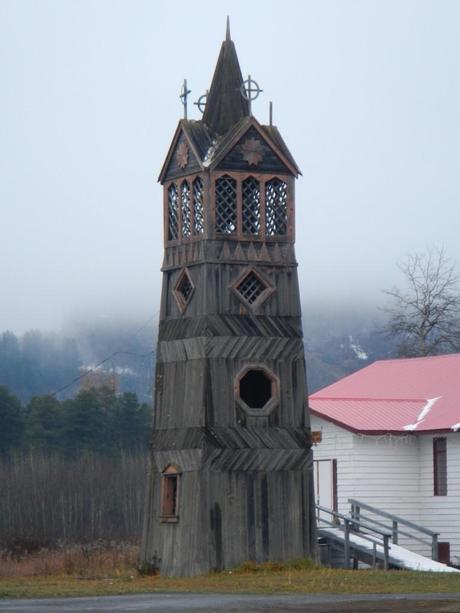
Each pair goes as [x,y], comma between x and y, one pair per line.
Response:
[387,477]
[336,444]
[442,513]
[380,470]
[395,474]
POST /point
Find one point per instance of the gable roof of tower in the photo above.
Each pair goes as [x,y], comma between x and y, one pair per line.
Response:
[226,119]
[417,395]
[210,151]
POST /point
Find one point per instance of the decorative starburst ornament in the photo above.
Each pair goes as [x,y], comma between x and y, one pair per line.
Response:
[182,155]
[253,151]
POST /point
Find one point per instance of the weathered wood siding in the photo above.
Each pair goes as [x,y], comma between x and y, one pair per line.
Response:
[246,479]
[271,162]
[174,170]
[231,516]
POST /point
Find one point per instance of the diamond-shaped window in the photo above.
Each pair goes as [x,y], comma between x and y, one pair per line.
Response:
[183,290]
[251,288]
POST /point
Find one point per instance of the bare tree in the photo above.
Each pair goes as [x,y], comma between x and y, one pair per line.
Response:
[424,318]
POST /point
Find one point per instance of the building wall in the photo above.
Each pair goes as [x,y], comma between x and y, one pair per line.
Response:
[382,471]
[387,477]
[442,513]
[395,474]
[337,444]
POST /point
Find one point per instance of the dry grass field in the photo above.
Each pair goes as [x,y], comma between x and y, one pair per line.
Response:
[103,569]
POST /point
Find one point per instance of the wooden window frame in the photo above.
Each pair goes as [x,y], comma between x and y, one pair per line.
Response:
[271,404]
[440,464]
[170,511]
[178,182]
[267,292]
[262,178]
[189,196]
[181,302]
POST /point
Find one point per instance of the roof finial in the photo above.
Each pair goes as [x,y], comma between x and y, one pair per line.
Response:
[184,92]
[227,34]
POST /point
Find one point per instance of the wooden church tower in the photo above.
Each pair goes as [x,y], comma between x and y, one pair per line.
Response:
[231,476]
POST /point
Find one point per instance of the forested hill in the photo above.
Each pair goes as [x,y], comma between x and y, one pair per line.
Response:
[38,364]
[96,420]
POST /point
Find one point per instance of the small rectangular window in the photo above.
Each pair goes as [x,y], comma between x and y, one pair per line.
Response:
[170,495]
[440,466]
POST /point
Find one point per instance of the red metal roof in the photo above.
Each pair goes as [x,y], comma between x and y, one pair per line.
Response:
[395,396]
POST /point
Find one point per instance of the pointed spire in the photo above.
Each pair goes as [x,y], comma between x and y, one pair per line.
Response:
[225,105]
[227,34]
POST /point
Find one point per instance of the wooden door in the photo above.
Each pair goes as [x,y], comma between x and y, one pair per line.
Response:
[325,476]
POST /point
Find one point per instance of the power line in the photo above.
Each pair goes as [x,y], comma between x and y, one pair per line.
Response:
[109,357]
[94,368]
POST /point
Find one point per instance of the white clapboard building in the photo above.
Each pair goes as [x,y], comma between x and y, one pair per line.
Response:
[389,436]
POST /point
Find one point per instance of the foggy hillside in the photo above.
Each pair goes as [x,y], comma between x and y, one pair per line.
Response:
[122,355]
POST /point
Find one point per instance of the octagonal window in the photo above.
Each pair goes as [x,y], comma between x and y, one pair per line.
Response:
[256,390]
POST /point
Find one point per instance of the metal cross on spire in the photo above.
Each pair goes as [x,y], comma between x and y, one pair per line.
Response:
[184,95]
[250,90]
[201,102]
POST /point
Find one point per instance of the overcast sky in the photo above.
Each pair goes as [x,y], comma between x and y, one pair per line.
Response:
[366,94]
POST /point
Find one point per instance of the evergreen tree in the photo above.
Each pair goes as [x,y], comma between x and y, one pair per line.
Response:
[45,424]
[84,422]
[133,422]
[10,361]
[11,421]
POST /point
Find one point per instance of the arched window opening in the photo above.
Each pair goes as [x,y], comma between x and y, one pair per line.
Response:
[255,389]
[170,482]
[275,208]
[226,205]
[251,206]
[186,210]
[198,211]
[173,217]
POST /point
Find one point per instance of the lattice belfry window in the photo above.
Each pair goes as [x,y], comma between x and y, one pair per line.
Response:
[252,288]
[173,216]
[251,206]
[183,290]
[275,208]
[198,212]
[226,207]
[186,210]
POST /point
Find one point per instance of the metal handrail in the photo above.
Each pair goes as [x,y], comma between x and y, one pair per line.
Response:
[352,520]
[402,532]
[357,505]
[347,527]
[393,517]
